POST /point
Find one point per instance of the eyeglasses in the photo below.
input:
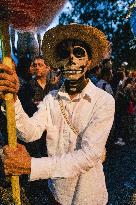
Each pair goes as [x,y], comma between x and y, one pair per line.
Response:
[77,51]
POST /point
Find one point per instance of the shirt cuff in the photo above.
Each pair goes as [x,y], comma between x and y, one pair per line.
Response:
[40,168]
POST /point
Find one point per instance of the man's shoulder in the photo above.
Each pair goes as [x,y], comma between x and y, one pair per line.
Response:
[97,89]
[103,95]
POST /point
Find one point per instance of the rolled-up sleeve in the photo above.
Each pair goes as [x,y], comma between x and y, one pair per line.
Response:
[87,156]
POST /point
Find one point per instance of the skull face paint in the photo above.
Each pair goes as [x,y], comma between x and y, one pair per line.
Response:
[74,60]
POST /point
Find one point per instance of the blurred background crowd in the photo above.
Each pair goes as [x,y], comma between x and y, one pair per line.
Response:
[116,74]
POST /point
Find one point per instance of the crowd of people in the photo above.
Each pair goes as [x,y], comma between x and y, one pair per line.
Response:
[121,84]
[65,114]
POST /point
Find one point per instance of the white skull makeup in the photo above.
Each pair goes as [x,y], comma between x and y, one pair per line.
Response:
[74,60]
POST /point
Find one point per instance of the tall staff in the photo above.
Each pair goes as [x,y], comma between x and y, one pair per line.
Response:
[25,16]
[10,111]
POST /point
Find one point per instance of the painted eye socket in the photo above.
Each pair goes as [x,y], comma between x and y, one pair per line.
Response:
[79,52]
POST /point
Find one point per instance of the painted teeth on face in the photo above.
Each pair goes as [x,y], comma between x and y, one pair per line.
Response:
[79,71]
[72,71]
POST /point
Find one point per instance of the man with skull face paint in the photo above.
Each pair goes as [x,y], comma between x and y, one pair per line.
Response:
[78,118]
[75,62]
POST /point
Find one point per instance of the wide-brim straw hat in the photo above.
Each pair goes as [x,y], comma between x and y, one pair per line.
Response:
[95,39]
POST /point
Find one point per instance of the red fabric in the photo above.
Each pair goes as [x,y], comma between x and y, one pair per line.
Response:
[131,107]
[30,14]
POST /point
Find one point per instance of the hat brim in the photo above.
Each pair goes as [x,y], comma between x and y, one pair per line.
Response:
[88,34]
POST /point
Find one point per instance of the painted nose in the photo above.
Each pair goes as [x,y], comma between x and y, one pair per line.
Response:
[71,56]
[70,62]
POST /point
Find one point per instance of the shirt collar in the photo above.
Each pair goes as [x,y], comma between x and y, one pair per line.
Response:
[87,93]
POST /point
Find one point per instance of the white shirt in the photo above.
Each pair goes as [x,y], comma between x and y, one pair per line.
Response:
[74,163]
[108,87]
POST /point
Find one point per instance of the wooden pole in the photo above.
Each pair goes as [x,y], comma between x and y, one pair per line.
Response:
[10,111]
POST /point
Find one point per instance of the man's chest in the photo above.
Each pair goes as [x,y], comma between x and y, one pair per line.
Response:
[78,113]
